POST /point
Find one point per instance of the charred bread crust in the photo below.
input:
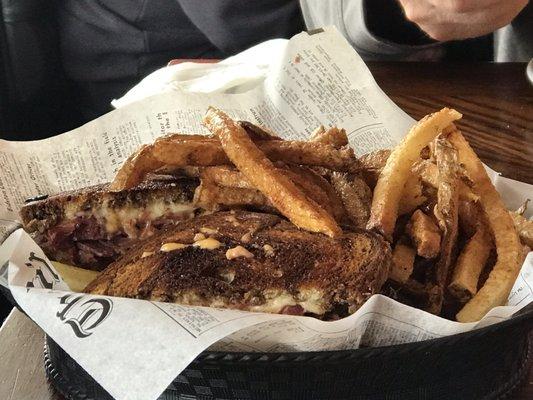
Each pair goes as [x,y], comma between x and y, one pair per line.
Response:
[344,271]
[42,214]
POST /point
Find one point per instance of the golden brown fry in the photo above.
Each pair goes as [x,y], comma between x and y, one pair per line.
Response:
[392,179]
[332,136]
[312,184]
[208,152]
[403,259]
[447,214]
[525,251]
[333,198]
[524,228]
[425,234]
[225,176]
[371,165]
[508,248]
[412,196]
[523,208]
[311,153]
[429,174]
[309,188]
[211,197]
[263,175]
[355,195]
[179,151]
[258,133]
[134,169]
[319,131]
[471,217]
[469,265]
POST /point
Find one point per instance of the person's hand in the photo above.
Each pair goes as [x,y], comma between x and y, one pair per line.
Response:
[461,19]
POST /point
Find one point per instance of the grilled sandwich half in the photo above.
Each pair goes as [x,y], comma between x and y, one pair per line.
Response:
[92,227]
[251,261]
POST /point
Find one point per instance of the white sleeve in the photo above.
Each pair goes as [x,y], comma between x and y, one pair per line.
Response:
[514,42]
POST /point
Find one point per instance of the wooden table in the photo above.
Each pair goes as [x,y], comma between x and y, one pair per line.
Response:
[497,103]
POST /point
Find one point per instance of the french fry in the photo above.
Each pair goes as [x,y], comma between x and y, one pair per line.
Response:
[212,197]
[447,214]
[312,184]
[309,188]
[333,198]
[425,235]
[469,265]
[258,133]
[469,217]
[311,153]
[403,259]
[355,195]
[135,168]
[198,150]
[524,227]
[508,248]
[372,164]
[195,151]
[225,176]
[429,173]
[412,196]
[262,174]
[525,251]
[391,182]
[332,136]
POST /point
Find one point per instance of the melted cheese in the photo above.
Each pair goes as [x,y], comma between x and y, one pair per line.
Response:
[269,250]
[172,246]
[238,251]
[114,219]
[310,300]
[198,236]
[208,244]
[208,231]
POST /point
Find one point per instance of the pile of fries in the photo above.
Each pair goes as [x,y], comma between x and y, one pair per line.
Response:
[456,249]
[315,183]
[458,253]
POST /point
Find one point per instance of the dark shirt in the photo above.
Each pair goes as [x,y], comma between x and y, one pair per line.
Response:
[108,46]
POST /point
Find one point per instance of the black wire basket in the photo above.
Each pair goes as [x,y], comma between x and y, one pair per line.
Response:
[488,363]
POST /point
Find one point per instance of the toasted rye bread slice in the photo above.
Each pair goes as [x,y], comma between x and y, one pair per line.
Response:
[51,210]
[92,227]
[282,269]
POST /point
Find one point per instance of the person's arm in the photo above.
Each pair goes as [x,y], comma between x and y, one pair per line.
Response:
[377,29]
[409,29]
[234,25]
[514,43]
[445,20]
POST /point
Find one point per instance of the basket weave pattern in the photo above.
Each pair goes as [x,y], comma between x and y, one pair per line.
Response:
[484,364]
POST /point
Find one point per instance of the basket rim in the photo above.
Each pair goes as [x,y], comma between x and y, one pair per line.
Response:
[68,391]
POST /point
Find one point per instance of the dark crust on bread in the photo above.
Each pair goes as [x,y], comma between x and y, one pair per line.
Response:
[42,214]
[346,270]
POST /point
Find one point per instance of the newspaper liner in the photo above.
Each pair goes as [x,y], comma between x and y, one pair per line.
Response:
[135,348]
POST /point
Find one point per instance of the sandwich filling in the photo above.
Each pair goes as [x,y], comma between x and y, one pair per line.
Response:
[93,227]
[277,269]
